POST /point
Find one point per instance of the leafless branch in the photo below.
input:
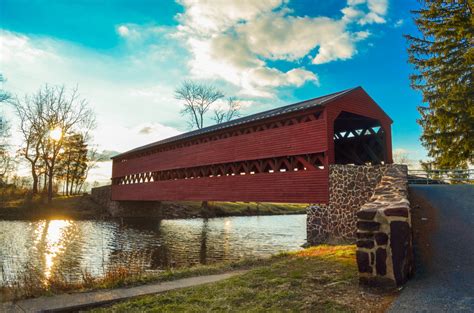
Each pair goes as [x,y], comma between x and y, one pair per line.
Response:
[197,100]
[232,111]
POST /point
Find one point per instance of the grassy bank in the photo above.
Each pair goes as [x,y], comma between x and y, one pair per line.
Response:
[61,207]
[318,279]
[177,209]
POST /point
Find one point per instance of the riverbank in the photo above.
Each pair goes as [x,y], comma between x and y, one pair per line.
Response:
[62,207]
[84,207]
[33,283]
[322,278]
[184,209]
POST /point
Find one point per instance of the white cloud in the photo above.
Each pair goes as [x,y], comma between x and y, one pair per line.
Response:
[210,16]
[366,11]
[279,37]
[137,34]
[351,14]
[127,94]
[398,23]
[221,50]
[231,43]
[123,30]
[235,40]
[120,138]
[379,7]
[229,59]
[371,18]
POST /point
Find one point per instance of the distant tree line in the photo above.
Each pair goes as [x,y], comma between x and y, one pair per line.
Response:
[55,124]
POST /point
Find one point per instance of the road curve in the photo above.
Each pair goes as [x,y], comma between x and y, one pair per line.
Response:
[443,226]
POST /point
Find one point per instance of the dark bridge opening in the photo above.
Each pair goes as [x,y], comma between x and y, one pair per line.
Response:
[358,140]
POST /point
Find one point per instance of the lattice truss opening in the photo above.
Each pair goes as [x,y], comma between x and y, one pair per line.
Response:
[307,162]
[358,140]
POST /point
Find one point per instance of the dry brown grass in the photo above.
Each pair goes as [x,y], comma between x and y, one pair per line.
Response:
[33,282]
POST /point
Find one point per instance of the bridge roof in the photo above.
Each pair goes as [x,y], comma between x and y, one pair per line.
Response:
[299,106]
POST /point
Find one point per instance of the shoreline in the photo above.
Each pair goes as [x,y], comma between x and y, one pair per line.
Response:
[111,218]
[329,270]
[83,207]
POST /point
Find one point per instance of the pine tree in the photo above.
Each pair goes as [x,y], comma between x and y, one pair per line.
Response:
[72,163]
[443,61]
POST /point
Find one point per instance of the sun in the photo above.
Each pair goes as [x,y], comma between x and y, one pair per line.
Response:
[56,134]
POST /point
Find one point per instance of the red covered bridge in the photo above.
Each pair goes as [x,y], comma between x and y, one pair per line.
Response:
[280,155]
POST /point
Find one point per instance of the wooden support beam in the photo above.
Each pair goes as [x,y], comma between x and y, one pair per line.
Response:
[371,153]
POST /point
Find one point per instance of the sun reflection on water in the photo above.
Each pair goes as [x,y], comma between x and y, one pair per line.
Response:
[55,233]
[61,250]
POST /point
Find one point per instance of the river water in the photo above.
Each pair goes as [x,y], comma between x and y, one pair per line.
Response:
[70,247]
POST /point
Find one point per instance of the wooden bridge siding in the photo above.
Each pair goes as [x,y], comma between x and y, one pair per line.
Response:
[292,187]
[357,102]
[302,138]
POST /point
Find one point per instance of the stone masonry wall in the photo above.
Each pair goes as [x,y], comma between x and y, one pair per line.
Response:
[350,187]
[384,244]
[102,195]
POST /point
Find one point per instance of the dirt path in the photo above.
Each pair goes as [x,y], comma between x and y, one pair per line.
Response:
[443,225]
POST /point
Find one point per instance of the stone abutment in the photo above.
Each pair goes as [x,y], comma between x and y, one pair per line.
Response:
[368,205]
[350,187]
[384,232]
[102,195]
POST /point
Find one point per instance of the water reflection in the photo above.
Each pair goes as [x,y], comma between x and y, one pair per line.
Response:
[69,247]
[55,242]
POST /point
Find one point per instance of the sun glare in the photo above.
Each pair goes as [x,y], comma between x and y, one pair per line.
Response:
[56,134]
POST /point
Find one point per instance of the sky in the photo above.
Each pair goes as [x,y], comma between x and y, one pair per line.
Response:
[127,57]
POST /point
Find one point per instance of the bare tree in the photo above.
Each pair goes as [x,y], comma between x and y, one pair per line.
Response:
[5,157]
[29,112]
[4,133]
[4,95]
[401,157]
[230,112]
[6,162]
[64,113]
[93,158]
[49,116]
[198,99]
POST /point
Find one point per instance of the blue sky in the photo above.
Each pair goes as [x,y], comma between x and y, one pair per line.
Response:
[128,56]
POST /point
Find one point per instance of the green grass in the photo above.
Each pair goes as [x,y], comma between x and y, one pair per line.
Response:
[218,208]
[256,207]
[318,279]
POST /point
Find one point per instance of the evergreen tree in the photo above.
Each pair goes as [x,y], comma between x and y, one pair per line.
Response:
[443,61]
[73,163]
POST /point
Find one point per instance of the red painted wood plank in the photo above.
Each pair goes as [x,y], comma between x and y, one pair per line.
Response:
[308,137]
[299,187]
[295,187]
